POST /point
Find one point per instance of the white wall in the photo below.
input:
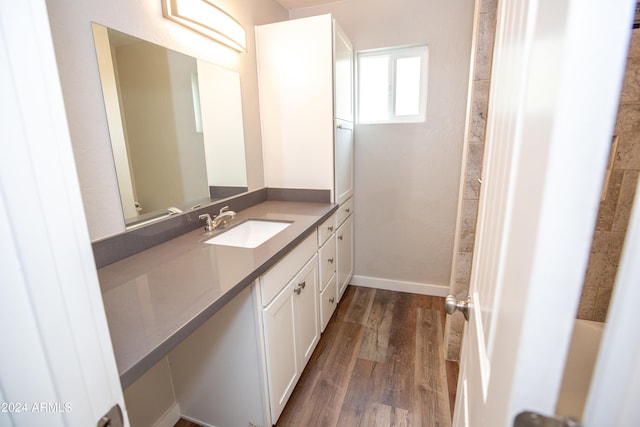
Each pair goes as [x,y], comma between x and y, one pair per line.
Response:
[75,54]
[407,175]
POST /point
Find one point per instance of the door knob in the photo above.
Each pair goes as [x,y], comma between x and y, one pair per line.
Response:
[451,305]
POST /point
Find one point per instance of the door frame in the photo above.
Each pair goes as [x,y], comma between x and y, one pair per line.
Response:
[59,351]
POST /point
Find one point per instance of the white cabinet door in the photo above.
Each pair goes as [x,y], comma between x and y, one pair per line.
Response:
[280,348]
[343,161]
[291,332]
[307,317]
[305,69]
[343,74]
[345,254]
[295,69]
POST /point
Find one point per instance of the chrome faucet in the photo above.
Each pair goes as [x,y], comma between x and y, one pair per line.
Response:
[218,221]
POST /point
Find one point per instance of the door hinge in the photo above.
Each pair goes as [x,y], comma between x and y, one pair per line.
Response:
[532,419]
[113,418]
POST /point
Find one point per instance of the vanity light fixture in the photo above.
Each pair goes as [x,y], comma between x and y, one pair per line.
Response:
[207,19]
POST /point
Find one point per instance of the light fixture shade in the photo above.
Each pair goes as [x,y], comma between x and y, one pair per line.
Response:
[207,19]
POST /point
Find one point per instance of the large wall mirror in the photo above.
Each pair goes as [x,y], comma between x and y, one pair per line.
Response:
[175,124]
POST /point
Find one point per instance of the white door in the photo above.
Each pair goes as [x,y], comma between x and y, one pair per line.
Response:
[57,366]
[556,79]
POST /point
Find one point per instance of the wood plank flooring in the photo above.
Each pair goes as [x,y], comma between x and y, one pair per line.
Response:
[379,363]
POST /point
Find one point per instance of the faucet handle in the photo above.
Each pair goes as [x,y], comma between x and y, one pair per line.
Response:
[225,210]
[208,226]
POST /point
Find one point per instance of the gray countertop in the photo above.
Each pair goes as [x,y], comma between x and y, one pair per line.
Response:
[158,297]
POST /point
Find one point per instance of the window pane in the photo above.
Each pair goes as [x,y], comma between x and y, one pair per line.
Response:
[407,86]
[374,88]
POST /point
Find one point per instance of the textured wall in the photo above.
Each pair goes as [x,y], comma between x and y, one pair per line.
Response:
[613,215]
[407,175]
[471,187]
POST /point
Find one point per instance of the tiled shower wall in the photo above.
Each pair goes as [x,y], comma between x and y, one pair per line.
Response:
[613,215]
[477,128]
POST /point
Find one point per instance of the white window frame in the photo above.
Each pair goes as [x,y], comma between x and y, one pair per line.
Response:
[394,54]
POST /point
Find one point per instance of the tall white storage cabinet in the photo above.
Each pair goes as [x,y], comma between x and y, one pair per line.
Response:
[305,77]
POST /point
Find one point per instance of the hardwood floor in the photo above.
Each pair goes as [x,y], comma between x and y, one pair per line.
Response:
[380,362]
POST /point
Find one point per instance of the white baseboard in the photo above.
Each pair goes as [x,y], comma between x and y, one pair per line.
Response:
[394,285]
[170,418]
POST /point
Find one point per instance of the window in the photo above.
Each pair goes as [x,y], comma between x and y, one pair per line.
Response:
[392,85]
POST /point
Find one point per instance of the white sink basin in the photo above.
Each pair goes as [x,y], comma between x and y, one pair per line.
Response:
[249,234]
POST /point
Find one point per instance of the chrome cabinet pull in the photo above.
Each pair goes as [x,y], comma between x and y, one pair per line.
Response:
[300,287]
[330,260]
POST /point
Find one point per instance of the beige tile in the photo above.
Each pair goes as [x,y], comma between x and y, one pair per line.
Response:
[463,273]
[488,6]
[474,171]
[607,209]
[628,128]
[468,230]
[453,337]
[600,275]
[479,110]
[587,303]
[631,84]
[625,201]
[604,259]
[601,305]
[484,52]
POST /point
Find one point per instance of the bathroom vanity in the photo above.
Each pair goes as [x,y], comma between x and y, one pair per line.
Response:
[223,318]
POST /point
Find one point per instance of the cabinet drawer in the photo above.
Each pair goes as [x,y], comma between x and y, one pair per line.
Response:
[344,211]
[326,229]
[328,261]
[328,301]
[277,277]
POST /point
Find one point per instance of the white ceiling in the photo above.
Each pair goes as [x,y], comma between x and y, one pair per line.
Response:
[297,4]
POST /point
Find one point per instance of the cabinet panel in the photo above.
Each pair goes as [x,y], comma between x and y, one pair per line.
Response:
[328,301]
[345,254]
[326,229]
[291,324]
[294,60]
[307,317]
[344,161]
[344,211]
[305,79]
[280,348]
[224,350]
[281,273]
[343,74]
[327,261]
